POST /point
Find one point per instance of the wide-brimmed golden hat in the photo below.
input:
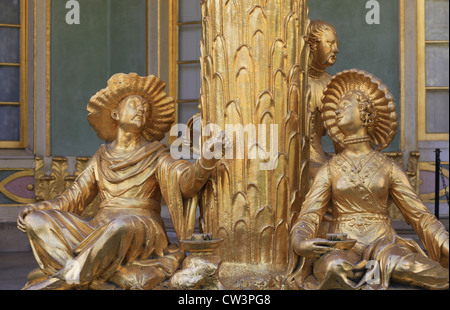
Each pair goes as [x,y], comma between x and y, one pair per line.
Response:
[385,123]
[120,86]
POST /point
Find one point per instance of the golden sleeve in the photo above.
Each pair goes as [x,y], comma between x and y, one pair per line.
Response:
[314,207]
[78,195]
[431,232]
[194,178]
[179,182]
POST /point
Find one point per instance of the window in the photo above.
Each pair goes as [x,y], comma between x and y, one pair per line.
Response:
[13,57]
[432,69]
[185,57]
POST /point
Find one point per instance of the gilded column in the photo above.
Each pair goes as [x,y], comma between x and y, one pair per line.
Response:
[254,72]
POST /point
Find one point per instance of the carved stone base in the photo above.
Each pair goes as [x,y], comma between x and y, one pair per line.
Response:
[200,269]
[236,276]
[199,272]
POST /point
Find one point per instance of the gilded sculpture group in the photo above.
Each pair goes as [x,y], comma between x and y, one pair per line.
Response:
[342,238]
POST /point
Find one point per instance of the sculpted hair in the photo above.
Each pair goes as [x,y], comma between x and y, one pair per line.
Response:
[366,108]
[316,31]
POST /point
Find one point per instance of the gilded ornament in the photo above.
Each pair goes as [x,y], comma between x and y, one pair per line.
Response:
[254,59]
[357,183]
[324,47]
[124,245]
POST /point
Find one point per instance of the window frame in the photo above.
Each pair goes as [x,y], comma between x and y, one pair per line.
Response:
[174,59]
[422,88]
[22,142]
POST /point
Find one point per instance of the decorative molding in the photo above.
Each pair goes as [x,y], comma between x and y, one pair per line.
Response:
[18,186]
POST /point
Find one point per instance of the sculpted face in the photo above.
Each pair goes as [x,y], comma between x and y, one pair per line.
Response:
[327,49]
[131,113]
[348,117]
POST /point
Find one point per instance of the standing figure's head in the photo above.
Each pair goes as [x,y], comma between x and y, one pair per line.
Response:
[356,103]
[132,103]
[324,44]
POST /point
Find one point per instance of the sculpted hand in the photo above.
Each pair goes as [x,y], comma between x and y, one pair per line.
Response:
[215,148]
[21,219]
[27,210]
[314,248]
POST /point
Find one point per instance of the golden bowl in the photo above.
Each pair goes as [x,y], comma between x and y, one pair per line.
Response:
[345,244]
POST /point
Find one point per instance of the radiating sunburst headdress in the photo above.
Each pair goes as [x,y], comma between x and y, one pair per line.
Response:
[384,125]
[120,86]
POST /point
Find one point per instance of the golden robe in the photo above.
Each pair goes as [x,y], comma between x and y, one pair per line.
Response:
[359,196]
[127,230]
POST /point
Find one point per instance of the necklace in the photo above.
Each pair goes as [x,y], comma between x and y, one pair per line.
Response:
[356,140]
[357,167]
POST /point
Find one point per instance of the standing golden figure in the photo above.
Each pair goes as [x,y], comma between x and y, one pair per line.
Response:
[362,250]
[254,58]
[324,47]
[125,245]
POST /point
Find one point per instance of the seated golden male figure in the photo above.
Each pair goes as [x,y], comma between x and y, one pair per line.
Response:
[125,245]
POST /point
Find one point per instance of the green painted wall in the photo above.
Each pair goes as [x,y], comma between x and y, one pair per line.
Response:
[110,38]
[374,48]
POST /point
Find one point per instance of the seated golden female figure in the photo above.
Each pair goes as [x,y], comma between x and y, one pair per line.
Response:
[125,245]
[359,114]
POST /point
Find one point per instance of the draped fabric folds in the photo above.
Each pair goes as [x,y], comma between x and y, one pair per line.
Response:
[128,226]
[359,194]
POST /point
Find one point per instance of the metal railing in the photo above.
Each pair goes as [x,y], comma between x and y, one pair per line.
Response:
[439,174]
